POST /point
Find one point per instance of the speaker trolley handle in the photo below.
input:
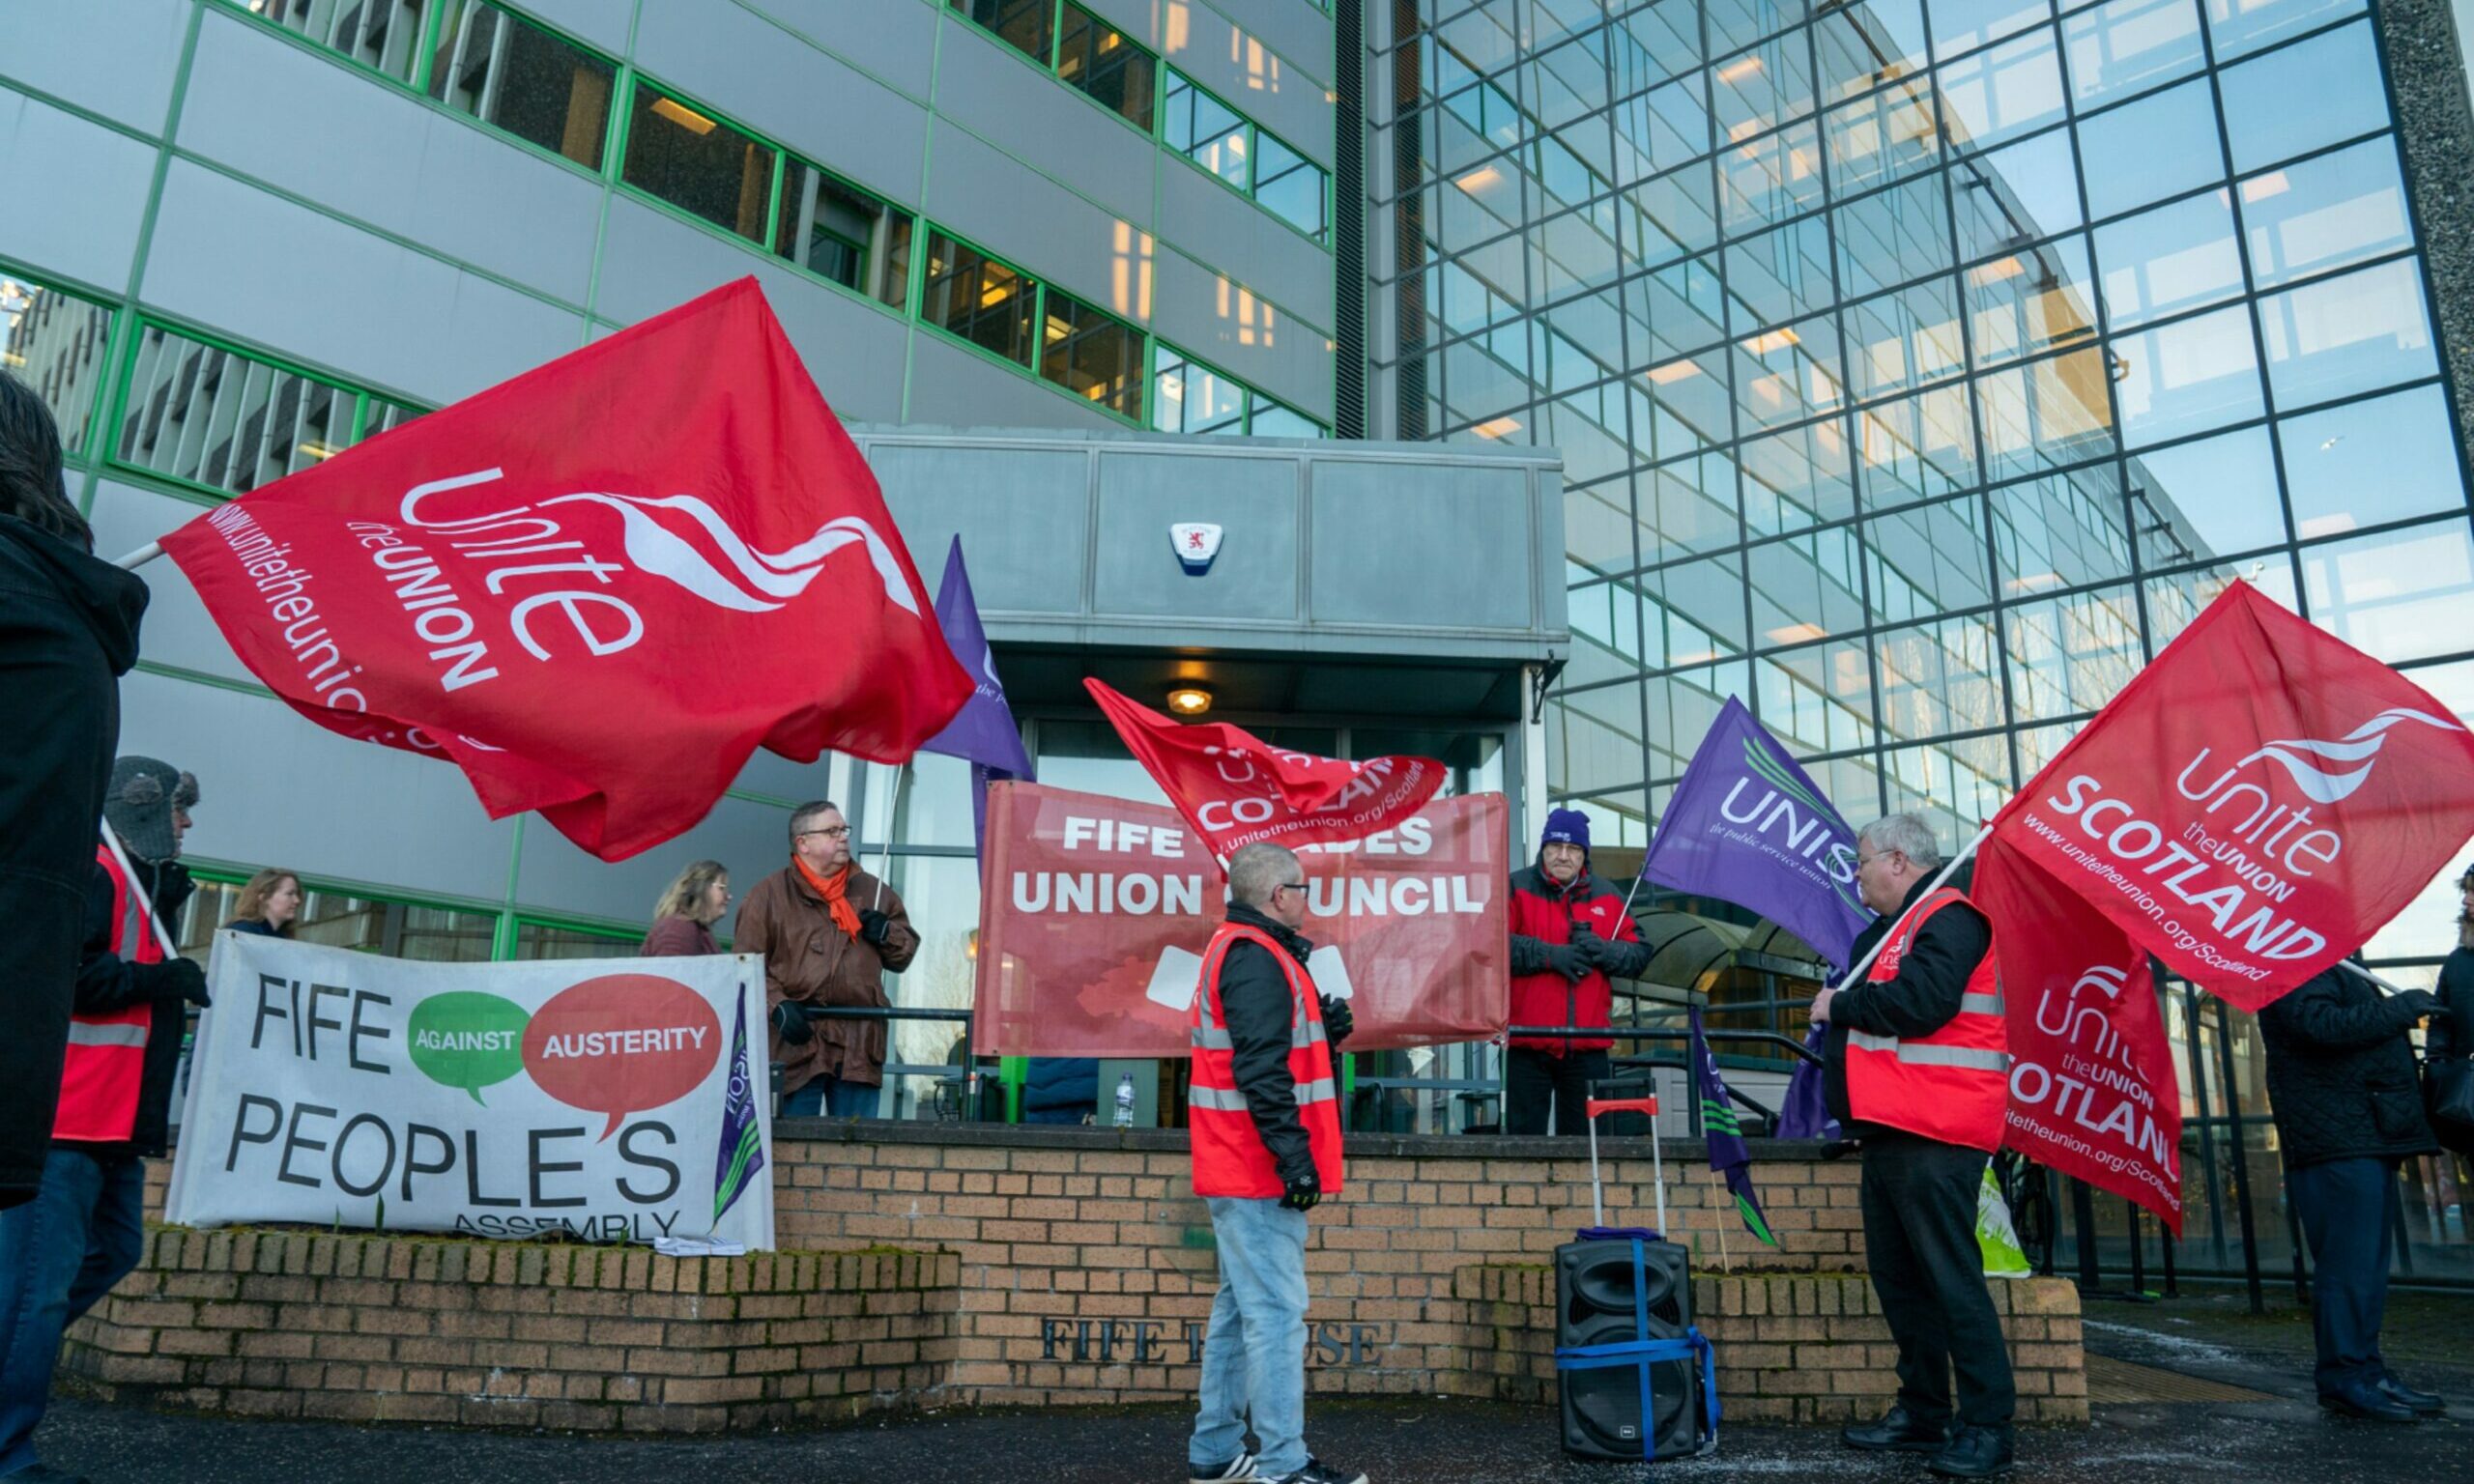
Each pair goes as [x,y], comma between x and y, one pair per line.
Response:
[1648,1104]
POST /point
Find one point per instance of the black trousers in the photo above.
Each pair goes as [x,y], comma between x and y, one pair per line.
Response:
[2344,1208]
[1919,1198]
[1535,1080]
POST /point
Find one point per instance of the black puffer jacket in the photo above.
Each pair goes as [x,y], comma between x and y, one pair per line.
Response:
[1253,994]
[67,630]
[2340,1072]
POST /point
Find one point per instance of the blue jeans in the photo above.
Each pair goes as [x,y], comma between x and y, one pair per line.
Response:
[1254,1356]
[59,1254]
[831,1097]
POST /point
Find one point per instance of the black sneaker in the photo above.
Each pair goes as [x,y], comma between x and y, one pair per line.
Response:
[1317,1472]
[1243,1468]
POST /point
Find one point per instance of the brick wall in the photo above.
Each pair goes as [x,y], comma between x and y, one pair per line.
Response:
[1790,1349]
[375,1329]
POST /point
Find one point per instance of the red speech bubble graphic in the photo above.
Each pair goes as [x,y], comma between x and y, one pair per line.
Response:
[622,1044]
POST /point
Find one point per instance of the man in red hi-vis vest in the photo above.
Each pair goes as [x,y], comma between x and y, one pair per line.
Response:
[85,1228]
[1916,1068]
[1264,1113]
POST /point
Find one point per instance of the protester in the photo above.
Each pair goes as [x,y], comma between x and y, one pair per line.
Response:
[2349,1111]
[1569,936]
[1264,1117]
[1915,1068]
[68,632]
[2451,1034]
[85,1228]
[683,917]
[829,932]
[268,906]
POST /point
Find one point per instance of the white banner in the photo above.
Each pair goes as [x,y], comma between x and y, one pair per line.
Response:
[610,1100]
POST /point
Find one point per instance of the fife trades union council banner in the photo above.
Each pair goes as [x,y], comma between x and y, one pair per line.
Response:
[610,1100]
[1097,911]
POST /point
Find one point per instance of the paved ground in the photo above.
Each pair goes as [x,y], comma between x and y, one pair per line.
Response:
[2283,1436]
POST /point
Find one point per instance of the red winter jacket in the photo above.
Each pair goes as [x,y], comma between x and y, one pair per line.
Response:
[1542,914]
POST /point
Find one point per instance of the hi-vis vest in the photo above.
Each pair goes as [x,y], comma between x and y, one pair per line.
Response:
[1230,1156]
[1953,1085]
[106,1061]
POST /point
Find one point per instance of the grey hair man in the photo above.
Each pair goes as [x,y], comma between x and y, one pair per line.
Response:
[1916,1067]
[1265,1122]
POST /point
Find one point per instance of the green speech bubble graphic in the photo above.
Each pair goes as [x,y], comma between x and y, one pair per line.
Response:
[468,1039]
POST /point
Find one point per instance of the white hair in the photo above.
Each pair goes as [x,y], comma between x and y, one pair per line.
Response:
[1906,834]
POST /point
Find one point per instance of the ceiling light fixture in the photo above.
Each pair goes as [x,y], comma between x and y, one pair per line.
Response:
[1189,700]
[684,117]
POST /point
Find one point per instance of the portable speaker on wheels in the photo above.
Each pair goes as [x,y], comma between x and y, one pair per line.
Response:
[1597,1303]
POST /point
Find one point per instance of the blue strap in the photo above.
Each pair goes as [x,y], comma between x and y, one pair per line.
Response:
[1643,1354]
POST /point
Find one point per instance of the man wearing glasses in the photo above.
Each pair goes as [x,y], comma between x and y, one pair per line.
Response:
[829,933]
[1915,1065]
[1265,1117]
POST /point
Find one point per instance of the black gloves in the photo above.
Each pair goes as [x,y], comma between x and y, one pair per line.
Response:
[1569,960]
[873,925]
[1594,950]
[792,1024]
[1337,1021]
[2414,1004]
[176,979]
[1303,1191]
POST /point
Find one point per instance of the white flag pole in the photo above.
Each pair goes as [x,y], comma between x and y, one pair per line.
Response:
[140,556]
[893,821]
[146,902]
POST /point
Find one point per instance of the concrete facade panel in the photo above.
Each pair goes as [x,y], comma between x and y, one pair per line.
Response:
[51,48]
[955,387]
[177,631]
[986,195]
[1272,66]
[1427,550]
[380,155]
[1027,512]
[1255,501]
[894,41]
[1215,226]
[1204,314]
[555,875]
[600,23]
[75,192]
[987,87]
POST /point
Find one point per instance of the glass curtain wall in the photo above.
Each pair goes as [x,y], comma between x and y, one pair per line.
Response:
[1922,367]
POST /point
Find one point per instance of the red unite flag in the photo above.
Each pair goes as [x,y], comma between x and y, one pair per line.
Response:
[2254,805]
[598,588]
[1239,791]
[2093,1088]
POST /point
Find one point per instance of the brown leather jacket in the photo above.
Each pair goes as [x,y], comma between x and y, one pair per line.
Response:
[808,959]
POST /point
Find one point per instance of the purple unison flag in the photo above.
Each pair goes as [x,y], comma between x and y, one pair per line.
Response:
[1805,1112]
[1748,826]
[1728,1155]
[741,1158]
[982,732]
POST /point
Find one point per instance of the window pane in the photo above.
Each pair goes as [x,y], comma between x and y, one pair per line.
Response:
[1938,678]
[384,35]
[1191,398]
[978,298]
[2047,414]
[2031,300]
[1022,24]
[2160,146]
[2368,462]
[2071,654]
[1817,700]
[2326,213]
[55,344]
[2339,75]
[1288,185]
[2171,259]
[1199,127]
[2242,26]
[1762,89]
[1270,420]
[1860,46]
[2002,93]
[1096,57]
[521,78]
[1928,559]
[1905,339]
[1962,25]
[838,232]
[1094,355]
[1916,448]
[538,941]
[2351,334]
[2063,530]
[1797,477]
[1882,135]
[2131,45]
[697,163]
[2213,498]
[1807,587]
[1893,236]
[2400,596]
[216,418]
[2173,602]
[2187,377]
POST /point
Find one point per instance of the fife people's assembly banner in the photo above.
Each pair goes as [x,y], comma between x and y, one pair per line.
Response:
[613,1100]
[1098,910]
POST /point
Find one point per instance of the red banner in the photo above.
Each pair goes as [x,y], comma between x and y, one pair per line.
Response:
[598,588]
[1238,790]
[2255,804]
[2093,1092]
[1095,912]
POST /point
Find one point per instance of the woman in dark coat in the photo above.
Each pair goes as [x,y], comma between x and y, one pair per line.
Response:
[683,917]
[68,632]
[269,905]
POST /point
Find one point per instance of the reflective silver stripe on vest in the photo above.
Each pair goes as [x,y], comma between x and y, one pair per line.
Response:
[1220,1099]
[1303,1031]
[1972,1058]
[1320,1090]
[1210,1037]
[132,924]
[83,1034]
[1981,1004]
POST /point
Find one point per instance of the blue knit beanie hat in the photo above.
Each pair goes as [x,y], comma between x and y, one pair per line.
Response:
[1565,827]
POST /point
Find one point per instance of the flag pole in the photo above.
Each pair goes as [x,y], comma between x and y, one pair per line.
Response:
[893,821]
[1720,1212]
[140,556]
[1982,833]
[146,900]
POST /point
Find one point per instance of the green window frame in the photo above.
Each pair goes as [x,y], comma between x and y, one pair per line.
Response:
[691,160]
[58,342]
[974,298]
[1077,47]
[194,410]
[540,937]
[1220,140]
[1191,396]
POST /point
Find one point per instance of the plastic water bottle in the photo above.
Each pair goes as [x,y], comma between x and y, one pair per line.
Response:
[1125,1100]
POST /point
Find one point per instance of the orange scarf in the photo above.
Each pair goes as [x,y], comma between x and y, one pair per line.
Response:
[835,889]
